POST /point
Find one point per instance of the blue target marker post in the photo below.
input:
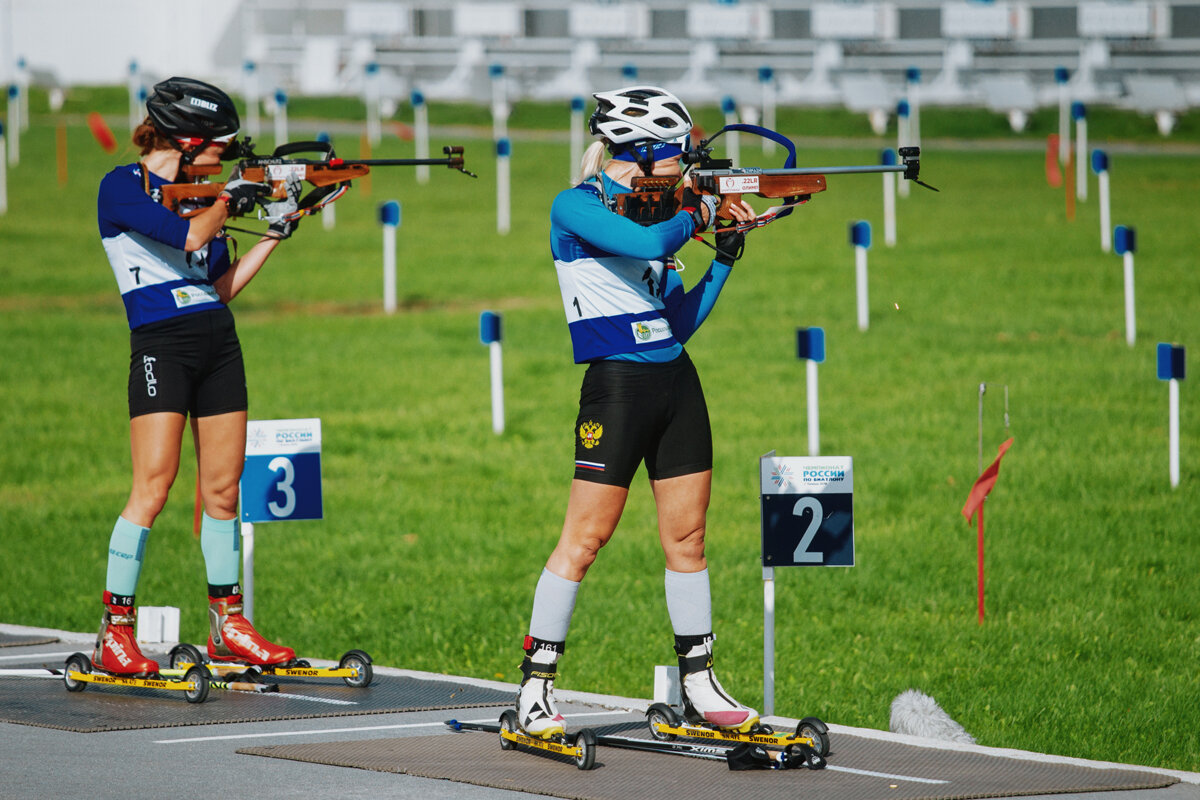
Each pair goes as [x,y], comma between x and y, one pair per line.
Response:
[281,480]
[913,81]
[1062,78]
[14,124]
[389,218]
[371,99]
[766,79]
[250,90]
[860,237]
[503,185]
[1171,370]
[576,134]
[1100,167]
[810,347]
[888,158]
[3,175]
[733,148]
[281,117]
[499,102]
[328,214]
[420,133]
[1125,243]
[629,72]
[807,521]
[490,333]
[903,135]
[1079,114]
[134,85]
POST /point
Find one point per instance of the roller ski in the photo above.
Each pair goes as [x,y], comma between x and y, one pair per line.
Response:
[710,713]
[580,747]
[118,661]
[742,756]
[354,669]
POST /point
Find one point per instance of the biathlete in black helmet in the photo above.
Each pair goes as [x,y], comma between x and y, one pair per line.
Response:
[641,401]
[176,277]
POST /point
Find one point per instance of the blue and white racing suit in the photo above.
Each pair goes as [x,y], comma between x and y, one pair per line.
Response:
[629,317]
[145,241]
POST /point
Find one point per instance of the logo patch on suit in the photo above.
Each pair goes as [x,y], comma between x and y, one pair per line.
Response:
[590,433]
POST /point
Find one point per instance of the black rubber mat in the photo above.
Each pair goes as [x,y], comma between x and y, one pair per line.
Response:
[859,769]
[24,639]
[45,702]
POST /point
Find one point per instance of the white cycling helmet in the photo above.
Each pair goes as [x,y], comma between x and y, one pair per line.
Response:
[640,115]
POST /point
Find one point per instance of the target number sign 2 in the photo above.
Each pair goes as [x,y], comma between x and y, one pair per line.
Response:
[282,475]
[807,511]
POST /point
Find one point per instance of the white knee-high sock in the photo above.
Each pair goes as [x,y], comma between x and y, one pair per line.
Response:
[553,605]
[689,602]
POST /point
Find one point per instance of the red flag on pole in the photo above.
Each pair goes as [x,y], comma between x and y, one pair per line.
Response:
[974,504]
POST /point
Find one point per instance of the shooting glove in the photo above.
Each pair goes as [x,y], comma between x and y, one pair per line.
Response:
[284,215]
[242,195]
[731,243]
[702,207]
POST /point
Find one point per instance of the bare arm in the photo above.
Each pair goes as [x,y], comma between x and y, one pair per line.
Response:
[204,227]
[242,271]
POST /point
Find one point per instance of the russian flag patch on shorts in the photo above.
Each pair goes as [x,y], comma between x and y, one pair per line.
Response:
[592,465]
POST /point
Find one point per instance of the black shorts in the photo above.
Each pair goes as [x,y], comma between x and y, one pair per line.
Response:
[631,412]
[190,365]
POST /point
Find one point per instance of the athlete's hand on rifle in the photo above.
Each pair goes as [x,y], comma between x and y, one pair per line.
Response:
[702,207]
[731,243]
[242,195]
[284,215]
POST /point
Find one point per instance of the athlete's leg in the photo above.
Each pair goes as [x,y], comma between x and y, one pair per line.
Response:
[593,511]
[154,446]
[220,454]
[682,504]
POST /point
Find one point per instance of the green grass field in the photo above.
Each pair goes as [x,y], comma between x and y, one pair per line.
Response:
[435,530]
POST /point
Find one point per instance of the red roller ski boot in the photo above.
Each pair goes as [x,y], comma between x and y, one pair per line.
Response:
[233,638]
[117,650]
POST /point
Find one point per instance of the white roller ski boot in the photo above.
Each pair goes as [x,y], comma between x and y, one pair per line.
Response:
[535,701]
[705,701]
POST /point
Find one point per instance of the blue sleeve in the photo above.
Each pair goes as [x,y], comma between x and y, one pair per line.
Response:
[581,214]
[123,205]
[686,311]
[218,259]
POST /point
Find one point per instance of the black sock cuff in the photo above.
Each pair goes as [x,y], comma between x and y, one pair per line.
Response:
[224,591]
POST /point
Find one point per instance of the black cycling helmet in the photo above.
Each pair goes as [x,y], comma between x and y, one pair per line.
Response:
[187,109]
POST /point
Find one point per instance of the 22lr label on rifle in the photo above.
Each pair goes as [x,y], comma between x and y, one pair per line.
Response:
[737,184]
[281,172]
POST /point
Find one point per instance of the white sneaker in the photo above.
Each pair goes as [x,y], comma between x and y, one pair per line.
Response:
[535,701]
[704,699]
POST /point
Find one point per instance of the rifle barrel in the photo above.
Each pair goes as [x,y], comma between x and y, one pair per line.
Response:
[805,170]
[401,162]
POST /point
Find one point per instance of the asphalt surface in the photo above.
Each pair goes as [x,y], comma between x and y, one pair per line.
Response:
[201,760]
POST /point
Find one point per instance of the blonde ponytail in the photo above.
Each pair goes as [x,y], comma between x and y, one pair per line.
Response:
[593,161]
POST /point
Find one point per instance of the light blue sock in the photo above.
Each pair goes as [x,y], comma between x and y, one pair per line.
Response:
[221,546]
[689,602]
[126,548]
[553,605]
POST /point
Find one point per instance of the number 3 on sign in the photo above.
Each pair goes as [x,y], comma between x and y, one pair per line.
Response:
[802,555]
[284,487]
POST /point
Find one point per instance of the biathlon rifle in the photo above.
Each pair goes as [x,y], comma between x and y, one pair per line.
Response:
[329,175]
[657,199]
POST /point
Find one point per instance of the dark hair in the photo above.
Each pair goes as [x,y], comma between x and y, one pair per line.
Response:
[149,138]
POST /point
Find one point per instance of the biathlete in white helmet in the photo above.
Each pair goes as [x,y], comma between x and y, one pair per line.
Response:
[641,401]
[176,277]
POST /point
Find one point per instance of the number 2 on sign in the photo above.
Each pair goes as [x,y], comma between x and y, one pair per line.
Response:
[283,486]
[802,554]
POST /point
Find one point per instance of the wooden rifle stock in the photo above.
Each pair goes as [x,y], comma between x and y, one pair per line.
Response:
[656,199]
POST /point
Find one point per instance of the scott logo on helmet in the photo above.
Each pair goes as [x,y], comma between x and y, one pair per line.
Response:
[196,101]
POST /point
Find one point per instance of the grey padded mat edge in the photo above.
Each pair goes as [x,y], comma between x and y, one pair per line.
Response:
[476,758]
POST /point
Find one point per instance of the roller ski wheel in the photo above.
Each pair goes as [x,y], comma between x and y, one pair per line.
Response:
[817,732]
[197,676]
[660,716]
[360,662]
[78,662]
[185,654]
[508,724]
[585,741]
